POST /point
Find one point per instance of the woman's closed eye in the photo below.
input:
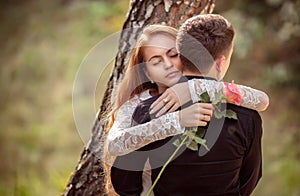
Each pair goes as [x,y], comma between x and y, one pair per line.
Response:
[155,61]
[173,53]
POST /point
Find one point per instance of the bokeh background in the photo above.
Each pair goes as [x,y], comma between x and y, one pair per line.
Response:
[44,42]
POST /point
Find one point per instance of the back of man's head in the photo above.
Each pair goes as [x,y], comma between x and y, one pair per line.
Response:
[202,39]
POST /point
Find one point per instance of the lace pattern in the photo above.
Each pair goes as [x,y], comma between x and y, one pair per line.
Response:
[123,138]
[251,98]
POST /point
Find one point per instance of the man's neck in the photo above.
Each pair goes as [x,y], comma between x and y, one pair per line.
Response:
[190,73]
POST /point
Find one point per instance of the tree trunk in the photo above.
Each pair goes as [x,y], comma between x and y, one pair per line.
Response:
[89,177]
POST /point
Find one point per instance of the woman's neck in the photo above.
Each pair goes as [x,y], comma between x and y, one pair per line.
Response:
[160,90]
[153,92]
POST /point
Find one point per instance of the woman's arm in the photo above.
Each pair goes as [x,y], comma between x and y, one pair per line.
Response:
[122,138]
[182,93]
[250,98]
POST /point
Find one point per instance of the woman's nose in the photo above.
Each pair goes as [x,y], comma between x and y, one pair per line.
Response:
[168,63]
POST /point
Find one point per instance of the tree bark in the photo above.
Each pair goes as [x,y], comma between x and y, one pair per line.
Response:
[89,177]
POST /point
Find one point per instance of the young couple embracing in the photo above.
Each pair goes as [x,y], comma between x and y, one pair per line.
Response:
[159,100]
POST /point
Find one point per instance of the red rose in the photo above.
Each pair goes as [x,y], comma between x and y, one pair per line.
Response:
[232,93]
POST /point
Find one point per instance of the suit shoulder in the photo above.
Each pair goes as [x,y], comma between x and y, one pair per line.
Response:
[243,111]
[249,119]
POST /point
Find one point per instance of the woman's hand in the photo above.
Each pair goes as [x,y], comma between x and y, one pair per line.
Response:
[197,114]
[171,99]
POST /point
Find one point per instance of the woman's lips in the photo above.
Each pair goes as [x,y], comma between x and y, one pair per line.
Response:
[172,74]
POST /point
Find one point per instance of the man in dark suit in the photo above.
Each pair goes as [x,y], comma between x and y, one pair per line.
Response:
[232,166]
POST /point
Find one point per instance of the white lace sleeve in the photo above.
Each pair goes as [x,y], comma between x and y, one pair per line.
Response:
[122,138]
[251,98]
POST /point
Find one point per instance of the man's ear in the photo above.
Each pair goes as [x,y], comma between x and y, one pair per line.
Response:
[219,62]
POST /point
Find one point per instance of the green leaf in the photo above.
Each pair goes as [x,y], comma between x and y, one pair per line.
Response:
[218,113]
[176,142]
[199,140]
[219,97]
[192,145]
[190,133]
[231,114]
[204,97]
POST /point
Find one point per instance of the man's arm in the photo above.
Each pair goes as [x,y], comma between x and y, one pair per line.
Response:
[251,170]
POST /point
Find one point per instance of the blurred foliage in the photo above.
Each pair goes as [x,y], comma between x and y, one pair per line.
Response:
[44,42]
[267,57]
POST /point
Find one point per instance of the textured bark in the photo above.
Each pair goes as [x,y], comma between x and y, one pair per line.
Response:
[89,177]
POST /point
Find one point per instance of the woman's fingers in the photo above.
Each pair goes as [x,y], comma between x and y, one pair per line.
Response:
[202,121]
[202,124]
[165,108]
[157,102]
[205,118]
[162,100]
[198,114]
[162,105]
[156,106]
[206,112]
[165,102]
[174,108]
[207,106]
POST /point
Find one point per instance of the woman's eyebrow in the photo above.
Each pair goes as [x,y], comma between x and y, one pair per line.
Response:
[168,51]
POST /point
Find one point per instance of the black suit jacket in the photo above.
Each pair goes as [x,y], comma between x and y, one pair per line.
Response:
[231,167]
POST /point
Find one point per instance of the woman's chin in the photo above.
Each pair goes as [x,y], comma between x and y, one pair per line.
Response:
[173,81]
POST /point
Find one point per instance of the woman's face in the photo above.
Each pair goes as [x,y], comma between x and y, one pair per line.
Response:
[163,65]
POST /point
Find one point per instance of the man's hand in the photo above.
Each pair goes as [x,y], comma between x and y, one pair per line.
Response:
[171,99]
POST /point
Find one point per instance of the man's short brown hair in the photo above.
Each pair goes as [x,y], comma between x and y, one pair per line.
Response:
[202,39]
